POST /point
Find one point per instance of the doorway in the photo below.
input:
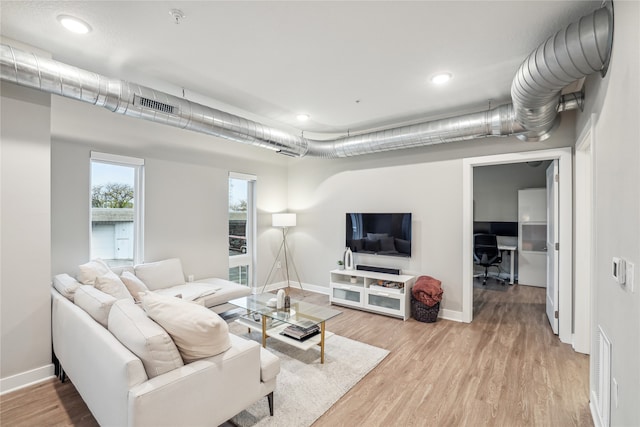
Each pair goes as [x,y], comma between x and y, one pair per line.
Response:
[565,228]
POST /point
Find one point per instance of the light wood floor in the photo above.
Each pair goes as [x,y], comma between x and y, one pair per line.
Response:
[506,368]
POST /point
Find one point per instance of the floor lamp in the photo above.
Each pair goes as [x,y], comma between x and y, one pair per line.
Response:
[284,221]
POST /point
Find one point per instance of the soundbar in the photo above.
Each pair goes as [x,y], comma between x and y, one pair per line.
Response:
[378,269]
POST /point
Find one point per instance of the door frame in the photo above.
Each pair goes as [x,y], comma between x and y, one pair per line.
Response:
[585,308]
[565,265]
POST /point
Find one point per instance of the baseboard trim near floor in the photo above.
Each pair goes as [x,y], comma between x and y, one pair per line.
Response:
[446,314]
[27,378]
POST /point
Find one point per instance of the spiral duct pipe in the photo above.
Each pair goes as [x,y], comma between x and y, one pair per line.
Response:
[573,53]
[581,49]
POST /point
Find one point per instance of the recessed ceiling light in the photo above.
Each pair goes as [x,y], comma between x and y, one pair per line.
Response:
[441,78]
[73,24]
[302,117]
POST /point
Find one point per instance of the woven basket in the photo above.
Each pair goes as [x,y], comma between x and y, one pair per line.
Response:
[422,312]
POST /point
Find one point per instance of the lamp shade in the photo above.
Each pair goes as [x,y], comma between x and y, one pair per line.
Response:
[284,220]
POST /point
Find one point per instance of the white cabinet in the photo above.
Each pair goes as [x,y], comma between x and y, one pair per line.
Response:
[377,292]
[532,237]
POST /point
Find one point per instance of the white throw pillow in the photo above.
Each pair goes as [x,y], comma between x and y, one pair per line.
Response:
[133,284]
[95,302]
[161,274]
[91,270]
[144,338]
[197,331]
[111,284]
[66,285]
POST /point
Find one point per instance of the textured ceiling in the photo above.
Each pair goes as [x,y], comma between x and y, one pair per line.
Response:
[350,65]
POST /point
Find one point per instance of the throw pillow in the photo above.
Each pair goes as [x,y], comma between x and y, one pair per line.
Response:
[197,331]
[133,284]
[387,244]
[403,246]
[372,245]
[161,274]
[66,285]
[111,284]
[95,302]
[144,338]
[376,236]
[91,270]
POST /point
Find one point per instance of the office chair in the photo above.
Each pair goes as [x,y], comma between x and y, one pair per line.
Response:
[487,254]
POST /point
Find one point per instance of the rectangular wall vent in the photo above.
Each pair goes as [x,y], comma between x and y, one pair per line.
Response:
[153,104]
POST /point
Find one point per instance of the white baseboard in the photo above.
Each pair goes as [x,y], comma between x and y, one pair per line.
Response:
[25,379]
[595,417]
[446,314]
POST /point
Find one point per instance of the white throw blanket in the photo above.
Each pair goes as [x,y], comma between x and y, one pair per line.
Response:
[190,291]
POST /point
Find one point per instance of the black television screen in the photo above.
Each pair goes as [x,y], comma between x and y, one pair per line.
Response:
[379,233]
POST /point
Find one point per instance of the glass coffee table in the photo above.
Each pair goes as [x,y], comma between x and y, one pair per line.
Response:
[301,319]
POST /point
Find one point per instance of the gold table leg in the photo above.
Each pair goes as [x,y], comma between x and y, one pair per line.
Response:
[322,342]
[264,331]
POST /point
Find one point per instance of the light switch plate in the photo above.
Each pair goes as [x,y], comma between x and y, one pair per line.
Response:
[630,276]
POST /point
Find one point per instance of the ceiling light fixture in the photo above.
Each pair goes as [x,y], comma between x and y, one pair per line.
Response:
[441,78]
[73,24]
[302,117]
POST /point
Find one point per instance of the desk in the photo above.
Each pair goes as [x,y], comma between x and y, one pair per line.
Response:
[512,249]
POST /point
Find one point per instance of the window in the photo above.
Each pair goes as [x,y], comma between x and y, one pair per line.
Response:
[241,228]
[116,209]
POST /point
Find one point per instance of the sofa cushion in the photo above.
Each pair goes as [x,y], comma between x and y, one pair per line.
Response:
[161,274]
[145,338]
[95,302]
[134,284]
[66,285]
[111,284]
[89,271]
[197,331]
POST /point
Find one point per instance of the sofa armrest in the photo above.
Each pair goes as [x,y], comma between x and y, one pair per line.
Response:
[101,369]
[205,392]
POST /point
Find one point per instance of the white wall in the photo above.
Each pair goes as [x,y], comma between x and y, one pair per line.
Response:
[426,182]
[495,189]
[615,100]
[25,278]
[186,188]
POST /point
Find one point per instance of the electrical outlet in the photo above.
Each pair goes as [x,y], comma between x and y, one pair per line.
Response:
[278,264]
[190,278]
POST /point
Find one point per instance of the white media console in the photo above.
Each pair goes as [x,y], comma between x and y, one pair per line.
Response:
[366,290]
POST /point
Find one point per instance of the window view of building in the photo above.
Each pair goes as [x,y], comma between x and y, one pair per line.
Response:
[114,209]
[241,228]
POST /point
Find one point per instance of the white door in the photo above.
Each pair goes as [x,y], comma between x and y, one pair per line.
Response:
[552,249]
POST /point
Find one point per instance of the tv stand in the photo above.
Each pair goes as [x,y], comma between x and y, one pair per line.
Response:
[372,291]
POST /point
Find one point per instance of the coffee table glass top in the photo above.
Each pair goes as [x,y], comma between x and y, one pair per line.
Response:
[300,313]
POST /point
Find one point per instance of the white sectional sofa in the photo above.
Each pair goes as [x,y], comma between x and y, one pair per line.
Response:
[164,361]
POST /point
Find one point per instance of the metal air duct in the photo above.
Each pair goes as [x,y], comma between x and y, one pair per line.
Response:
[535,91]
[579,50]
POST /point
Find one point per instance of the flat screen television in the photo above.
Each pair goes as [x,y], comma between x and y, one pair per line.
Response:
[379,233]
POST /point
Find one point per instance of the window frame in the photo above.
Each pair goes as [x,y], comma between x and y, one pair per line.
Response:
[249,258]
[138,190]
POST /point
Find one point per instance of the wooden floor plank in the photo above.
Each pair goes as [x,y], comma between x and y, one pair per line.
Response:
[506,368]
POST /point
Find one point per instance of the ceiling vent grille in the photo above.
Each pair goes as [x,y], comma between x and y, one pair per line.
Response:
[153,104]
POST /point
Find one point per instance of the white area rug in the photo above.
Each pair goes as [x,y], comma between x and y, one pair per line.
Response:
[306,389]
